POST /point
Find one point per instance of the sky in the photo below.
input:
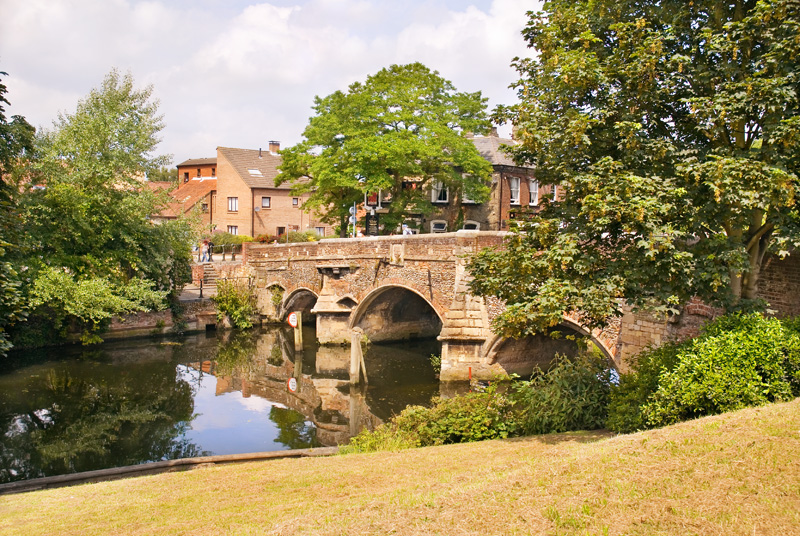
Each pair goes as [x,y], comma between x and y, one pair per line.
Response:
[238,73]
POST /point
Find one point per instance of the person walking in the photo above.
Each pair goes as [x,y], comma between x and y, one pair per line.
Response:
[204,251]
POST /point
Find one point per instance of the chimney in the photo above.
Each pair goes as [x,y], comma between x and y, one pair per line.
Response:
[274,147]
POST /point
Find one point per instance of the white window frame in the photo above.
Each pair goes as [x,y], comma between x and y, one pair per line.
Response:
[555,193]
[233,204]
[474,226]
[320,231]
[533,192]
[440,193]
[233,229]
[440,223]
[295,201]
[268,203]
[513,200]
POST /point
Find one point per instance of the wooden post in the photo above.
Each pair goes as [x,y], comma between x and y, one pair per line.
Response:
[298,333]
[357,364]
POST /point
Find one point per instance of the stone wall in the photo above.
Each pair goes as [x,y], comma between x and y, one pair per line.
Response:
[196,316]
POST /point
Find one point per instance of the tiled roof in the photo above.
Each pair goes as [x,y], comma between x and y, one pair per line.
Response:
[257,168]
[189,193]
[198,162]
[489,147]
[159,185]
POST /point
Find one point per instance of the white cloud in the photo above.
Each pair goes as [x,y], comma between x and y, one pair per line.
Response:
[240,74]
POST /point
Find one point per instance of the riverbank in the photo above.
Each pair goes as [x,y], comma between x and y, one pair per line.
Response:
[737,473]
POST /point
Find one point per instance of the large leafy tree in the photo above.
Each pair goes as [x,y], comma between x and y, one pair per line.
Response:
[88,246]
[16,143]
[674,128]
[399,132]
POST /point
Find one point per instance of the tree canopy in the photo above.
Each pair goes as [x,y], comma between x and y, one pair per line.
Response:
[674,129]
[87,244]
[402,131]
[16,140]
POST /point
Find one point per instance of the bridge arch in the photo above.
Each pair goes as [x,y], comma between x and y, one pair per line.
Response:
[301,300]
[396,312]
[522,356]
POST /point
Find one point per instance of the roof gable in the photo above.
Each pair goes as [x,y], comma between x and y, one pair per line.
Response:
[257,168]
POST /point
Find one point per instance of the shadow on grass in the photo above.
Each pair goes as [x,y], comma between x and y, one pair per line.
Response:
[585,436]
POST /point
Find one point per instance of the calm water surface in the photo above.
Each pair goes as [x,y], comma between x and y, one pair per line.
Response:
[64,410]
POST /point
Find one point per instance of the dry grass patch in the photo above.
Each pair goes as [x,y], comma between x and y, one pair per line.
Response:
[737,473]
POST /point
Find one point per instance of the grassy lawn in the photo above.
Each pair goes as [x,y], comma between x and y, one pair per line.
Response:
[737,473]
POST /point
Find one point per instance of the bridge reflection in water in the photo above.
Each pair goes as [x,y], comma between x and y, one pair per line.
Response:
[65,410]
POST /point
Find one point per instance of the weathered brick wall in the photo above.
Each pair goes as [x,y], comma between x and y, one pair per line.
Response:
[780,284]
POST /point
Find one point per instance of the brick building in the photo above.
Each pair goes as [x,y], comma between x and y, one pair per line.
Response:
[236,192]
[197,168]
[515,193]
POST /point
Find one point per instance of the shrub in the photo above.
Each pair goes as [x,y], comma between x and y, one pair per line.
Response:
[739,360]
[627,399]
[465,418]
[235,300]
[571,395]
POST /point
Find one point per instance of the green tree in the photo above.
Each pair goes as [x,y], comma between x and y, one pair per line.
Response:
[674,128]
[86,216]
[401,131]
[165,174]
[16,142]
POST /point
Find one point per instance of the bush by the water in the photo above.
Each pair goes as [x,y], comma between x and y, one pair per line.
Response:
[571,395]
[235,301]
[465,418]
[738,361]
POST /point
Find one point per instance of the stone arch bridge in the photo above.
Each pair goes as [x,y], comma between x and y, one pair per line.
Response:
[403,287]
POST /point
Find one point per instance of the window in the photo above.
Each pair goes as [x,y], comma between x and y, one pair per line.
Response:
[320,231]
[265,202]
[255,172]
[205,207]
[555,193]
[186,176]
[233,204]
[533,190]
[213,172]
[513,188]
[198,172]
[295,201]
[438,226]
[472,225]
[280,231]
[233,229]
[439,193]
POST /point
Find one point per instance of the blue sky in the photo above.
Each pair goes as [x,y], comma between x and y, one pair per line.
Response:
[240,73]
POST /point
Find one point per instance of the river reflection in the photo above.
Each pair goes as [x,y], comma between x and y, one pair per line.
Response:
[70,409]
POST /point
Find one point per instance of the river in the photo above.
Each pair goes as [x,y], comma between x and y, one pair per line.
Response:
[72,409]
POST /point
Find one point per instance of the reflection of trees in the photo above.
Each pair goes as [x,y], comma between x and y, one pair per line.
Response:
[95,418]
[235,353]
[295,432]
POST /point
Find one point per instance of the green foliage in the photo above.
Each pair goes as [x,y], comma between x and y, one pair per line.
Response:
[673,132]
[222,238]
[235,300]
[84,213]
[465,418]
[403,123]
[436,362]
[571,395]
[165,174]
[16,143]
[92,301]
[738,361]
[627,399]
